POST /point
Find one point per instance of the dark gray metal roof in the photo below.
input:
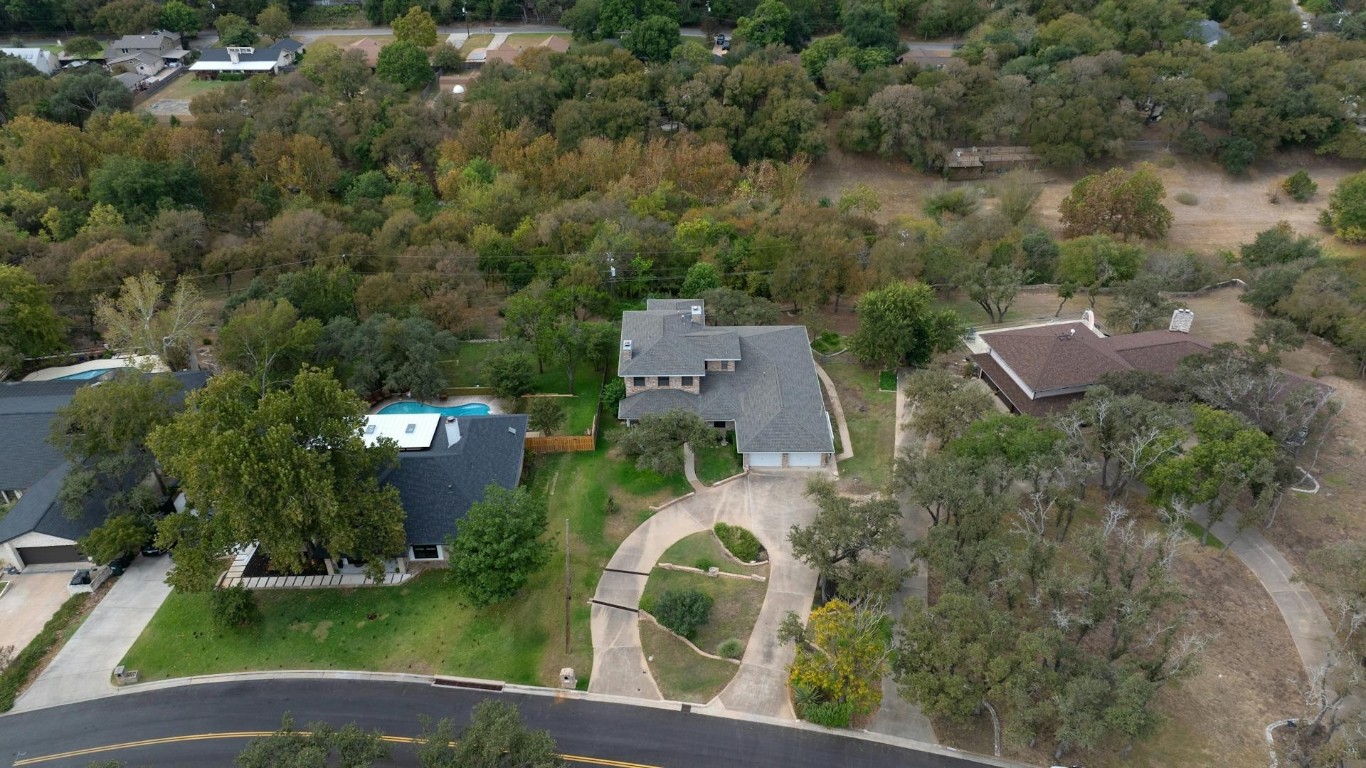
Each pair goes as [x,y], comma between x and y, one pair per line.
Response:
[40,511]
[437,486]
[269,53]
[773,395]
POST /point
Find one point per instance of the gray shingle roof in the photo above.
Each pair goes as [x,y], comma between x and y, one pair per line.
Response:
[665,341]
[773,395]
[40,511]
[437,486]
[269,53]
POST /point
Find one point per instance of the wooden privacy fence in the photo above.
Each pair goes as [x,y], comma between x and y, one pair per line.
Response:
[564,443]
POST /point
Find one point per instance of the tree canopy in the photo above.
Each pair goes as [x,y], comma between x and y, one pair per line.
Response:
[897,326]
[498,545]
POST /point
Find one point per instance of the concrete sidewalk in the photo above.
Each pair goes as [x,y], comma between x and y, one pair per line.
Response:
[83,667]
[837,410]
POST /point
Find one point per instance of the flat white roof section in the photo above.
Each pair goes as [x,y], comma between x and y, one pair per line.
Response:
[412,431]
[228,66]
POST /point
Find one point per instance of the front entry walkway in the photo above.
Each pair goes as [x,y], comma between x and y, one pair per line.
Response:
[768,504]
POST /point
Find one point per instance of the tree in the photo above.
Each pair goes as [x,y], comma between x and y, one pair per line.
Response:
[701,277]
[388,354]
[993,288]
[1346,212]
[287,468]
[314,747]
[495,738]
[447,58]
[136,187]
[653,39]
[509,370]
[683,610]
[29,326]
[656,440]
[234,607]
[405,65]
[871,25]
[1230,458]
[274,22]
[943,405]
[771,23]
[545,415]
[1118,203]
[416,27]
[135,322]
[181,19]
[117,536]
[842,656]
[1139,306]
[1129,433]
[183,235]
[1273,336]
[497,545]
[841,535]
[127,17]
[235,30]
[896,326]
[89,47]
[1279,245]
[1096,261]
[727,306]
[267,341]
[1300,187]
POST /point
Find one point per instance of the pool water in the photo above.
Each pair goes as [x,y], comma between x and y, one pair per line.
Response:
[410,406]
[93,373]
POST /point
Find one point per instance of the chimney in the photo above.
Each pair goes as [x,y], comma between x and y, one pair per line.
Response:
[697,316]
[625,349]
[452,431]
[1088,318]
[1182,319]
[232,55]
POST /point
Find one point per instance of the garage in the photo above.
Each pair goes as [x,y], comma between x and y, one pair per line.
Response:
[50,555]
[804,459]
[765,459]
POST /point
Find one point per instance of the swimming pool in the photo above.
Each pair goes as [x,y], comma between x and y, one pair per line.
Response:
[93,373]
[410,406]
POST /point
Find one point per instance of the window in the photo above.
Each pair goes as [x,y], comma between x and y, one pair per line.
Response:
[425,552]
[663,381]
[719,424]
[638,381]
[686,381]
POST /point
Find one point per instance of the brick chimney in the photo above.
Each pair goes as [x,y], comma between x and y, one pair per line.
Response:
[1182,319]
[1088,318]
[697,317]
[625,349]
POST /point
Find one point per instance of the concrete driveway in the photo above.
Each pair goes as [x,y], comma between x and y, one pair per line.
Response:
[768,504]
[83,667]
[27,604]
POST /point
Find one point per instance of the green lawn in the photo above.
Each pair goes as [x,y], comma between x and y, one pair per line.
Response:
[424,626]
[736,606]
[703,548]
[464,370]
[186,87]
[718,462]
[872,422]
[476,41]
[682,675]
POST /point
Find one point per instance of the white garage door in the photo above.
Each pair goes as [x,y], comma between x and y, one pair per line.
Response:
[803,459]
[765,459]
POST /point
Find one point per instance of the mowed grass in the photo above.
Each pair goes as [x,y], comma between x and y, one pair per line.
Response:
[871,414]
[466,370]
[682,675]
[718,462]
[426,626]
[734,610]
[701,548]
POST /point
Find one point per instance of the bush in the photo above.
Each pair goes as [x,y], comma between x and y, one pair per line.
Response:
[234,607]
[957,202]
[831,714]
[703,564]
[613,392]
[17,672]
[545,415]
[683,610]
[1186,198]
[1300,187]
[739,542]
[730,649]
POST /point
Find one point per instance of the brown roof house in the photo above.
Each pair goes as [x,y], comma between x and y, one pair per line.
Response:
[508,52]
[1042,369]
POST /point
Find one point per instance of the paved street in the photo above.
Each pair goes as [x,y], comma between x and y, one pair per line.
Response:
[83,667]
[595,732]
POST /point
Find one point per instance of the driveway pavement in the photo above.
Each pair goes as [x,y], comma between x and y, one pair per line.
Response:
[768,504]
[27,604]
[83,667]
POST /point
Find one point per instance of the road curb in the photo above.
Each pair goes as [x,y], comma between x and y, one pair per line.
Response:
[541,691]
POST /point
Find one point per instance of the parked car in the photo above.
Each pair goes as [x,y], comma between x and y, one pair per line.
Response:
[120,564]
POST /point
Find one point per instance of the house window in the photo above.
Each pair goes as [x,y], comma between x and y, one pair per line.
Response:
[425,552]
[719,424]
[638,381]
[663,381]
[687,381]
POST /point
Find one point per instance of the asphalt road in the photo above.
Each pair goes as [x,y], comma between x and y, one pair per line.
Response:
[606,734]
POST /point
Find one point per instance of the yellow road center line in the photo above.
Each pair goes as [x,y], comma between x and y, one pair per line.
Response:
[261,734]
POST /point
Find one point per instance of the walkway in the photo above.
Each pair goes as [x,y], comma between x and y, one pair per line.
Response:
[690,469]
[897,716]
[768,504]
[83,667]
[846,443]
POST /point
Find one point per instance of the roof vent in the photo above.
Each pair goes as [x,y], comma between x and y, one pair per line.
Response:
[512,430]
[369,429]
[1182,320]
[411,428]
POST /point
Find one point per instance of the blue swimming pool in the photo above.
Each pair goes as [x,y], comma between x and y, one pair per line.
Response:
[93,373]
[409,406]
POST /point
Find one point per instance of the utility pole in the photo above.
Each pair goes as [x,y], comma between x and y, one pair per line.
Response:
[566,585]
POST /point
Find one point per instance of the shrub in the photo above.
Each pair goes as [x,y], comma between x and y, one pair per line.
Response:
[683,610]
[17,672]
[234,607]
[730,649]
[738,541]
[546,415]
[612,394]
[831,714]
[957,202]
[703,564]
[1186,198]
[1300,187]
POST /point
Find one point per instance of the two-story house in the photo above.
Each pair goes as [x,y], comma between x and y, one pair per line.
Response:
[758,380]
